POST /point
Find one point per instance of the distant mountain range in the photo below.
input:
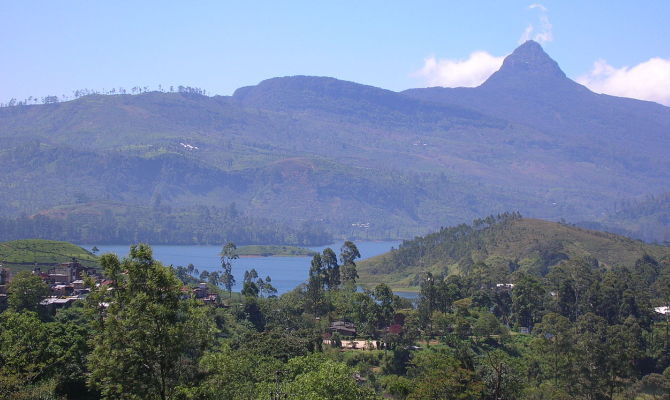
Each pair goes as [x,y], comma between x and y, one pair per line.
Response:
[358,160]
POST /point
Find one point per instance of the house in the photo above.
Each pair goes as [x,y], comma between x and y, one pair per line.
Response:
[343,328]
[504,287]
[663,310]
[4,276]
[4,279]
[201,291]
[54,303]
[395,329]
[67,273]
[212,299]
[62,290]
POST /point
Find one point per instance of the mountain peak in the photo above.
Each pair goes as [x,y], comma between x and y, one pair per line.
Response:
[527,64]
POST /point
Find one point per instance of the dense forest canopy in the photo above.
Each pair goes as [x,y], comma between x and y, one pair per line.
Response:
[579,332]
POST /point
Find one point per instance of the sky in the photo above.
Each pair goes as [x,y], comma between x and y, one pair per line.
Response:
[56,47]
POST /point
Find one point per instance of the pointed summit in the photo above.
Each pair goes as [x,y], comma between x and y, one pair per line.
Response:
[527,65]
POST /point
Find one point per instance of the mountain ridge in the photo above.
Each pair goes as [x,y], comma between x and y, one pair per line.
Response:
[421,158]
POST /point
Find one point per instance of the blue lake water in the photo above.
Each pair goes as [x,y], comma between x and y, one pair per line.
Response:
[286,272]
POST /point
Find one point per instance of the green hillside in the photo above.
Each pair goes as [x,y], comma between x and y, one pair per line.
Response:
[23,254]
[500,246]
[646,219]
[313,150]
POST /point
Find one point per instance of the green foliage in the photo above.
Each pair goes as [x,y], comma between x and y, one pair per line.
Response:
[322,379]
[26,291]
[440,376]
[594,336]
[147,340]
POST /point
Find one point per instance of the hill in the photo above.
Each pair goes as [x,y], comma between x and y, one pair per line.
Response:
[502,246]
[22,254]
[360,161]
[645,219]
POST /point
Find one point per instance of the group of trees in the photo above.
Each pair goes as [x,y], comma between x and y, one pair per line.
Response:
[51,99]
[326,274]
[193,225]
[593,335]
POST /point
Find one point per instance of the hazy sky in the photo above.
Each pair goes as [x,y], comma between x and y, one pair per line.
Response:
[55,47]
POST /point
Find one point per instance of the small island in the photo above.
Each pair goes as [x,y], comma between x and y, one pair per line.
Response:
[273,250]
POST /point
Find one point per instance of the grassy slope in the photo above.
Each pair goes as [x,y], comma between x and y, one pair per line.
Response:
[23,254]
[522,240]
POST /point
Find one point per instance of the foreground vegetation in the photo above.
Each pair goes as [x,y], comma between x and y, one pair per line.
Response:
[593,334]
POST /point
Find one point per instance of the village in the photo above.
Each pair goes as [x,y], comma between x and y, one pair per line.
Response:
[67,284]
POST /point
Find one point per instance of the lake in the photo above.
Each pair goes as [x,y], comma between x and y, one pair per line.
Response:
[286,272]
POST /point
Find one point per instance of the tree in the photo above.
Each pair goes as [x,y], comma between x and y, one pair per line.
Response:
[441,376]
[331,269]
[250,287]
[318,378]
[191,269]
[24,351]
[26,291]
[527,301]
[214,278]
[384,298]
[315,283]
[502,375]
[348,254]
[147,340]
[228,254]
[265,286]
[555,348]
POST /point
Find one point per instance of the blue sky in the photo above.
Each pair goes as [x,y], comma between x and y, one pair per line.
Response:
[55,47]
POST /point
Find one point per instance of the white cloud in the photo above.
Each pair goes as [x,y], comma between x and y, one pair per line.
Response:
[544,32]
[649,80]
[540,6]
[470,72]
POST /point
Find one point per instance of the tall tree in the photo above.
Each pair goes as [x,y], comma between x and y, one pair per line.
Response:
[527,301]
[348,254]
[331,268]
[147,338]
[315,283]
[228,254]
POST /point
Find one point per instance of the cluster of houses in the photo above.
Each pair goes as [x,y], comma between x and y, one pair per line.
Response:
[201,292]
[4,279]
[66,285]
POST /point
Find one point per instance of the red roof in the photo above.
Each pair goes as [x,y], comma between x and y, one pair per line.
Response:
[395,328]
